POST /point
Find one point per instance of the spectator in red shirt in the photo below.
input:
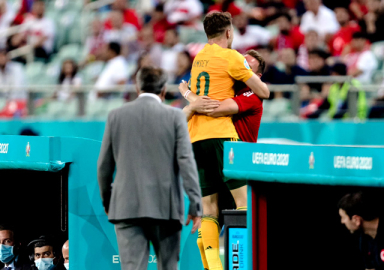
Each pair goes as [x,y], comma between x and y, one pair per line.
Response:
[290,36]
[226,6]
[343,37]
[159,23]
[246,107]
[130,15]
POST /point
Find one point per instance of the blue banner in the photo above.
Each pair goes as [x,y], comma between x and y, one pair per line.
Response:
[305,164]
[335,132]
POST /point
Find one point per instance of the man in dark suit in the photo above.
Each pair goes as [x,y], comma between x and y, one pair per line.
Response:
[11,255]
[149,145]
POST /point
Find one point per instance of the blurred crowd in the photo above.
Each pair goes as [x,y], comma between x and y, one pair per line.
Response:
[295,37]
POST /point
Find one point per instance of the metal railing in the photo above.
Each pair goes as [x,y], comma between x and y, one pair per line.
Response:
[82,93]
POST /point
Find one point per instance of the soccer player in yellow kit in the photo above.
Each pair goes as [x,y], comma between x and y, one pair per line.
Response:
[214,71]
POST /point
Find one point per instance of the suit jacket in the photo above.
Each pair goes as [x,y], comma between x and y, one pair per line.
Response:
[149,144]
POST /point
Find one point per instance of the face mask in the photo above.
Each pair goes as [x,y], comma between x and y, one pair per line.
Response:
[6,254]
[66,265]
[44,264]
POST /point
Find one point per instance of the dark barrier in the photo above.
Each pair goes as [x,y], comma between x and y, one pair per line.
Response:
[236,239]
[293,217]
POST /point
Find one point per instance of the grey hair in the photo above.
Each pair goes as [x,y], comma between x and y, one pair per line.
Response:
[151,80]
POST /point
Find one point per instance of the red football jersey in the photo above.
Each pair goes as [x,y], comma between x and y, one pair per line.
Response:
[342,38]
[247,121]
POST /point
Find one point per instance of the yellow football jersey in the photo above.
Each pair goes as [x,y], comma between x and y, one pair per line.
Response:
[213,74]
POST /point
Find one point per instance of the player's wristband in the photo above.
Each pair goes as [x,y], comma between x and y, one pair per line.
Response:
[186,94]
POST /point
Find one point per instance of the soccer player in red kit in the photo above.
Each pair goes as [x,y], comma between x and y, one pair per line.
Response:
[246,107]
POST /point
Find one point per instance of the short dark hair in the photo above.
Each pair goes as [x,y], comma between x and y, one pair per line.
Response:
[340,69]
[216,23]
[45,240]
[8,227]
[159,7]
[357,35]
[269,48]
[360,204]
[151,79]
[115,47]
[319,52]
[259,58]
[285,15]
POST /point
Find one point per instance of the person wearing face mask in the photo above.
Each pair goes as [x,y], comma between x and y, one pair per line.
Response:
[65,251]
[45,255]
[11,257]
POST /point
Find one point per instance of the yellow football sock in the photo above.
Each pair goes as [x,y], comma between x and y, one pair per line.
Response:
[243,208]
[210,236]
[202,252]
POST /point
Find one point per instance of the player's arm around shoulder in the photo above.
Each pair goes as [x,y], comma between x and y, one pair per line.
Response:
[258,87]
[240,70]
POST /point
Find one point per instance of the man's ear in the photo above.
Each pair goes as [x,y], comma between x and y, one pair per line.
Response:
[228,33]
[356,220]
[259,75]
[138,91]
[163,92]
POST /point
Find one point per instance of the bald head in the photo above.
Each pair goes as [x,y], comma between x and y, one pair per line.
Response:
[65,251]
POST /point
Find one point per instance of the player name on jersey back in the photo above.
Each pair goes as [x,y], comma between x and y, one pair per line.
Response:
[214,71]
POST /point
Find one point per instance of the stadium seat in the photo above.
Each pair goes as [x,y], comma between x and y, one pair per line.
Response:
[35,73]
[52,72]
[188,35]
[92,71]
[276,109]
[62,109]
[97,109]
[72,51]
[74,35]
[3,101]
[378,50]
[115,103]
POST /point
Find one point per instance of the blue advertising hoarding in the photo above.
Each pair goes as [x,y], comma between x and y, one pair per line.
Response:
[305,164]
